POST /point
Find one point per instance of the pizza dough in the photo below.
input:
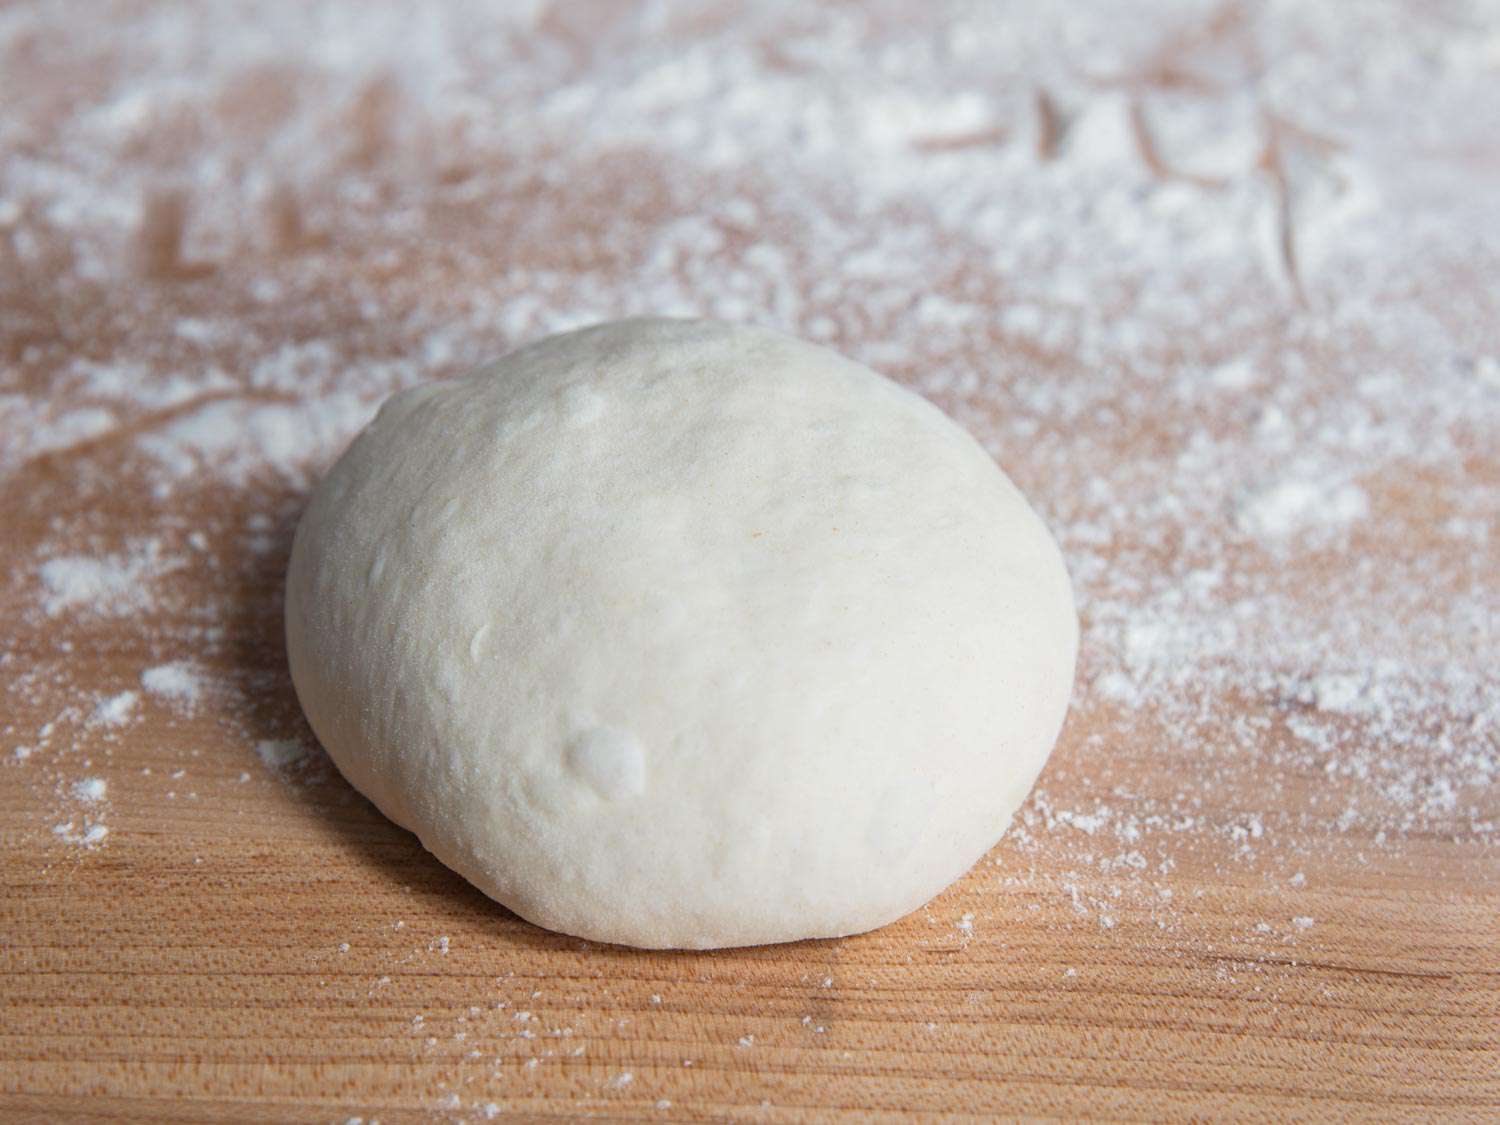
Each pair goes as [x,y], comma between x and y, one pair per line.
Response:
[682,634]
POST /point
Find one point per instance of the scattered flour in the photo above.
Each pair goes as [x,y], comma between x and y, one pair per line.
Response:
[110,585]
[1336,692]
[1203,308]
[87,835]
[177,683]
[116,710]
[1297,505]
[278,753]
[238,441]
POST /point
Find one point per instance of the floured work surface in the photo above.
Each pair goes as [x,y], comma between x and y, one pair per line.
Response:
[1216,286]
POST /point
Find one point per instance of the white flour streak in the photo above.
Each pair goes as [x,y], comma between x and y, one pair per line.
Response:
[178,683]
[110,585]
[116,710]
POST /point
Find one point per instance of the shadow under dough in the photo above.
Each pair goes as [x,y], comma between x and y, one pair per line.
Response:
[256,640]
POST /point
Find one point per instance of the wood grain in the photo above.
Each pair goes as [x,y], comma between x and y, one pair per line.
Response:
[1291,942]
[194,968]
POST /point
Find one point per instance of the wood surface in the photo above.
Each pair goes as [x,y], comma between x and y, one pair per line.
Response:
[193,968]
[254,942]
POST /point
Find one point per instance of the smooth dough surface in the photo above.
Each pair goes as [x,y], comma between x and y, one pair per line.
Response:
[682,634]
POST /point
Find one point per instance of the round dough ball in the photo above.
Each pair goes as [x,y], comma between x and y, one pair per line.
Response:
[682,634]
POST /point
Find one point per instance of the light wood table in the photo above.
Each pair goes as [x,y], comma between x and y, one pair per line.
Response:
[1201,915]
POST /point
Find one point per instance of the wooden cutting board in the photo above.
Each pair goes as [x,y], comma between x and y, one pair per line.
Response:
[258,943]
[1213,283]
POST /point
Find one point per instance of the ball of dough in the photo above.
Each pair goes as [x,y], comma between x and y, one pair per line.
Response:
[682,634]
